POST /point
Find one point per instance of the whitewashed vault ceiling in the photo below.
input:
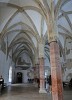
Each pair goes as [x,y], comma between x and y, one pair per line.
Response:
[23,22]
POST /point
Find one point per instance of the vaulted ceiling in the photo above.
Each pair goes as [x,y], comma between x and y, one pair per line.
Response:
[23,23]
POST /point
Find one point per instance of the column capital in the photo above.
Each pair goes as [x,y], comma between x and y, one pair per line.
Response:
[53,38]
[53,41]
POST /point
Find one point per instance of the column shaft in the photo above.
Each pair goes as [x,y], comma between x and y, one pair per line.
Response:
[56,74]
[42,79]
[37,70]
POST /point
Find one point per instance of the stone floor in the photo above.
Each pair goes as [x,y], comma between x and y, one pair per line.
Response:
[29,92]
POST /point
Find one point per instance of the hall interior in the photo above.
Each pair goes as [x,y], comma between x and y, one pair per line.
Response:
[35,42]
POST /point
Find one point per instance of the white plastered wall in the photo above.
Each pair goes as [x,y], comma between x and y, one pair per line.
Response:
[4,66]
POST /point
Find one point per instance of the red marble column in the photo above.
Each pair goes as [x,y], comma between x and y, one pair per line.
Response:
[56,74]
[42,79]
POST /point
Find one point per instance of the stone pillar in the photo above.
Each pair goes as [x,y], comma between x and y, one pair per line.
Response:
[41,66]
[34,69]
[56,74]
[37,70]
[42,78]
[36,74]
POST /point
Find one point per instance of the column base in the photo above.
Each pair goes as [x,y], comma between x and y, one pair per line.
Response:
[42,91]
